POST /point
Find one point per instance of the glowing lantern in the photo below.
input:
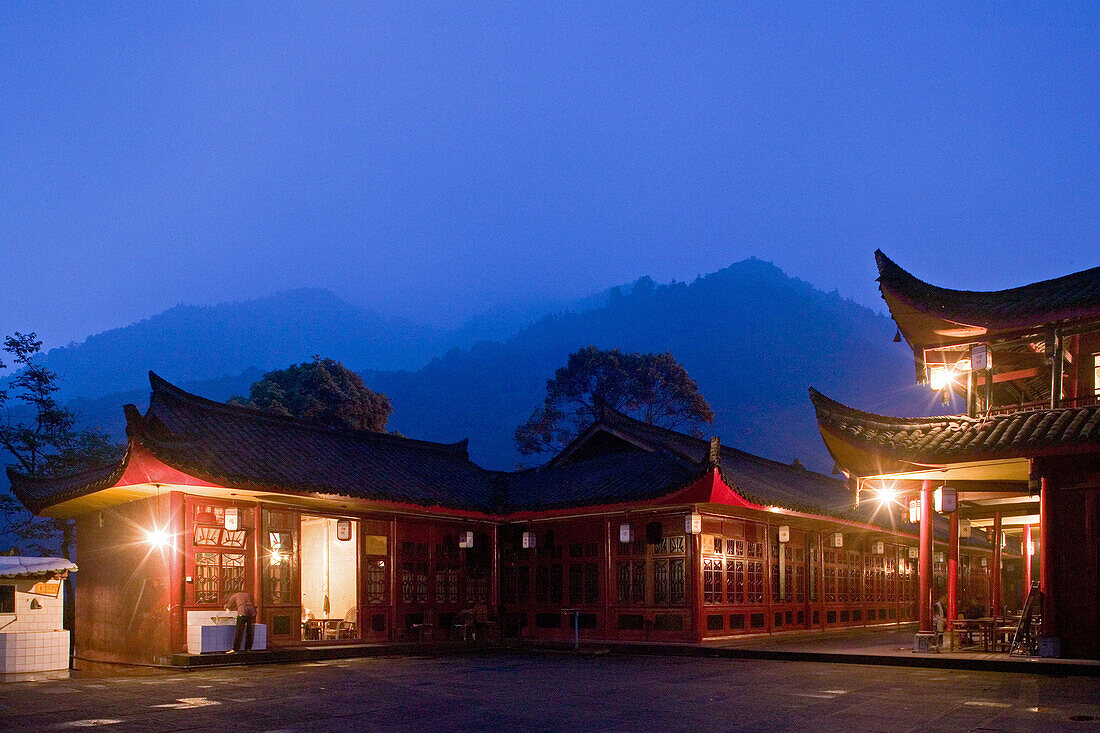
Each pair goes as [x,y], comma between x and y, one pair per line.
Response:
[836,539]
[914,511]
[626,533]
[938,557]
[343,529]
[693,523]
[965,529]
[466,540]
[784,534]
[232,518]
[878,547]
[529,540]
[946,500]
[914,553]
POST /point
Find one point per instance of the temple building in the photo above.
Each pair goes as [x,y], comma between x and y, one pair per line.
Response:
[632,532]
[1023,458]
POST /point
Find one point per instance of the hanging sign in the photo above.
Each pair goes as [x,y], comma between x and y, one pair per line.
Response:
[232,518]
[343,529]
[47,587]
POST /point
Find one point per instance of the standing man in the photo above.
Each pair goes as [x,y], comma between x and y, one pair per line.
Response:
[246,620]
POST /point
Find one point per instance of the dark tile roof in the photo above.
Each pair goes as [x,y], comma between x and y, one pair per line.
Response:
[760,480]
[38,493]
[604,479]
[243,447]
[957,438]
[1065,298]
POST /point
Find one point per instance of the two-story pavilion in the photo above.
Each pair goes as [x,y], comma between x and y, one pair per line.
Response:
[1025,363]
[647,533]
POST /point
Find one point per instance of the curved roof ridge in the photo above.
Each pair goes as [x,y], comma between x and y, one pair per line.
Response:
[827,406]
[1070,296]
[162,386]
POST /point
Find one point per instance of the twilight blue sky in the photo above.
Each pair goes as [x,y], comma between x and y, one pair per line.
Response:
[432,160]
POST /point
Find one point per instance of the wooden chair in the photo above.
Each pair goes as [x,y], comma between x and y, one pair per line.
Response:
[345,628]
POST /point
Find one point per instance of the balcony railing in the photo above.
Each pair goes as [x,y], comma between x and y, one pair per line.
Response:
[1080,401]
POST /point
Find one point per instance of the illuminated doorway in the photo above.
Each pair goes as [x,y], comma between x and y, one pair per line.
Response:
[330,589]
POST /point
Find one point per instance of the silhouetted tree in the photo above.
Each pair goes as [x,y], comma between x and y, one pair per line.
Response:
[322,391]
[46,443]
[654,388]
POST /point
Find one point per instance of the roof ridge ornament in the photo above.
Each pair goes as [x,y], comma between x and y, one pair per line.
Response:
[714,459]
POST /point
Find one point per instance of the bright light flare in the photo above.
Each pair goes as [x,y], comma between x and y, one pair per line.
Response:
[887,495]
[941,377]
[276,557]
[156,537]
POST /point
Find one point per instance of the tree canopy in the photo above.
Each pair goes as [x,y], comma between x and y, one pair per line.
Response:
[42,438]
[654,388]
[322,391]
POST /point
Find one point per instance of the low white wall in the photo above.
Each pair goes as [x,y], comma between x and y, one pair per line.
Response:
[34,651]
[32,639]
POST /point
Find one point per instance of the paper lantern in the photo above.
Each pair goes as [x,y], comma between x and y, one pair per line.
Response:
[693,523]
[232,518]
[946,500]
[530,541]
[466,540]
[784,534]
[343,529]
[626,533]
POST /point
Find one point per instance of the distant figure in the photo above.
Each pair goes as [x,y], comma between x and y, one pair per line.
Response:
[246,620]
[939,620]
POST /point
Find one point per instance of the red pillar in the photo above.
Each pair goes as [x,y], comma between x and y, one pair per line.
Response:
[1025,541]
[953,568]
[1046,584]
[995,574]
[924,601]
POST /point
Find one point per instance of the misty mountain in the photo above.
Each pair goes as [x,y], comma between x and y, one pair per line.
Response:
[201,343]
[752,337]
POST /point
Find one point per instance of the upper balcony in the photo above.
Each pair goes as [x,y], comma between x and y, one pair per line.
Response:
[1035,346]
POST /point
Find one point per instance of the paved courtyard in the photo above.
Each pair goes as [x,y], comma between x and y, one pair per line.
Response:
[551,691]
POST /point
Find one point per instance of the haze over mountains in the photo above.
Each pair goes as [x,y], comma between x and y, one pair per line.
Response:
[753,338]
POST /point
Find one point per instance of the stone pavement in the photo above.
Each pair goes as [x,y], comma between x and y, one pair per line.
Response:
[552,691]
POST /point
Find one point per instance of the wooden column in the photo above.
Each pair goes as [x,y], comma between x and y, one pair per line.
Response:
[698,623]
[177,529]
[1025,542]
[995,573]
[1046,572]
[924,600]
[952,568]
